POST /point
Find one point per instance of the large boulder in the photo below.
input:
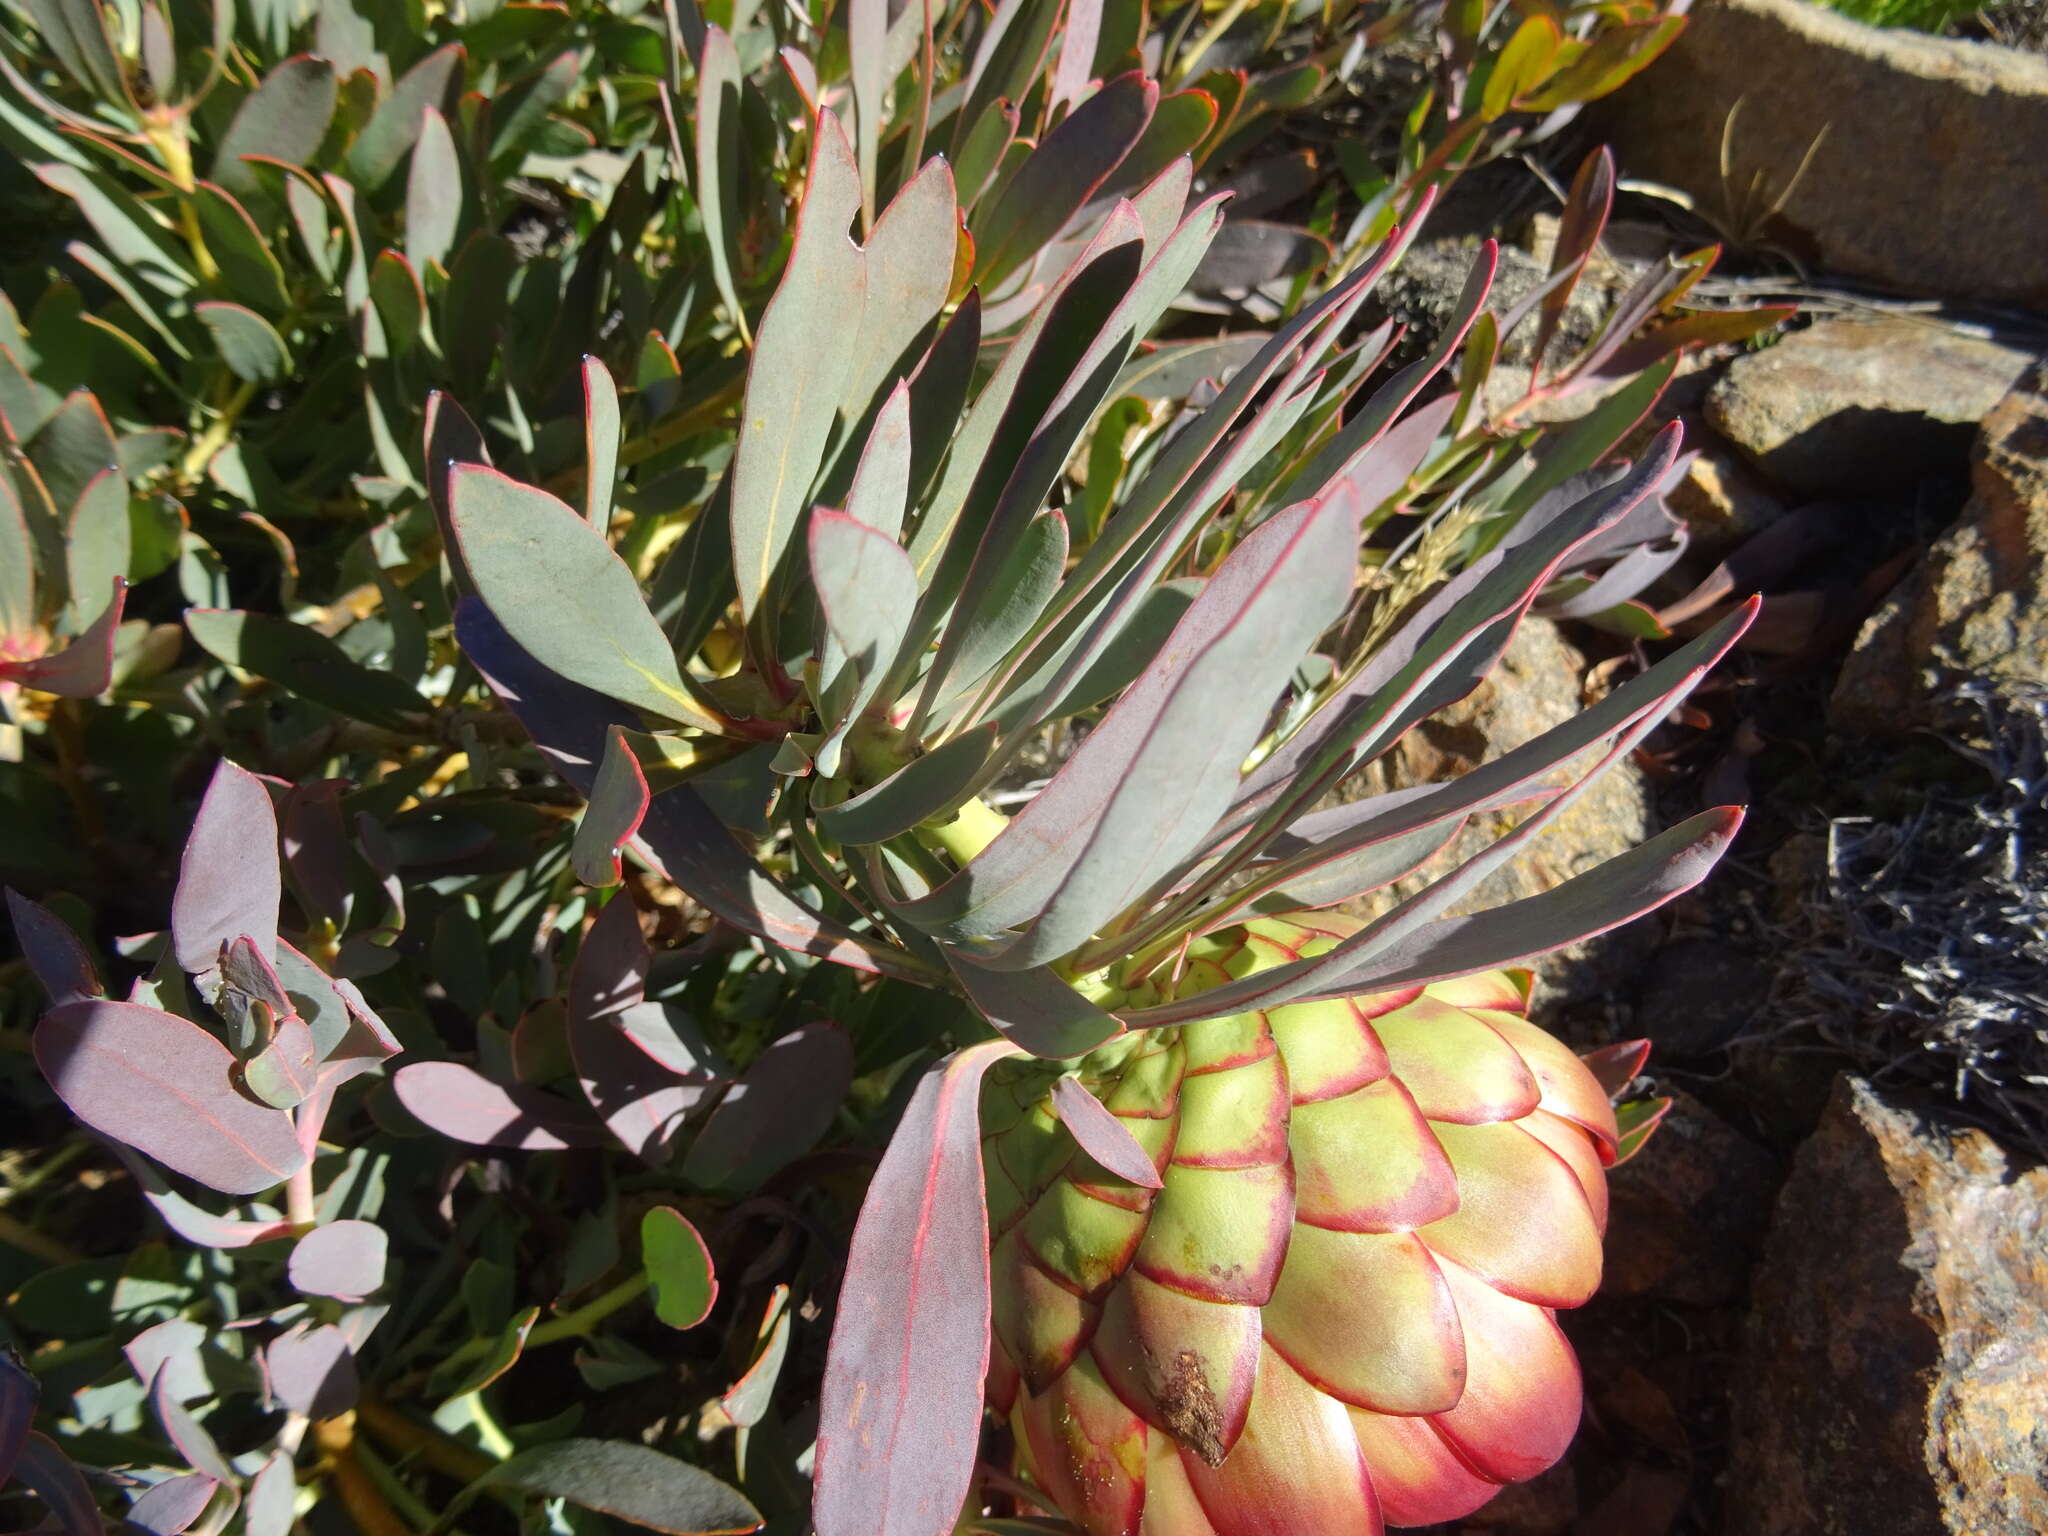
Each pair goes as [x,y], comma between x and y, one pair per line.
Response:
[1977,604]
[1930,178]
[1863,406]
[1896,1372]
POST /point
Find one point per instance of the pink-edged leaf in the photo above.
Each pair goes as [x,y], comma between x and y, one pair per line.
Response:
[1383,470]
[54,955]
[312,1371]
[678,1266]
[1036,1008]
[344,1259]
[464,1105]
[747,1400]
[192,1222]
[1101,1135]
[19,1391]
[1585,215]
[1147,784]
[185,1431]
[161,1084]
[683,837]
[314,842]
[173,1504]
[367,1042]
[84,669]
[269,1505]
[44,1469]
[618,803]
[244,967]
[1637,1122]
[900,1413]
[228,882]
[171,1349]
[504,1352]
[1616,1066]
[776,1112]
[640,1102]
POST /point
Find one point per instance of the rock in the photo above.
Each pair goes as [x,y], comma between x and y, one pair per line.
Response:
[1861,406]
[1722,500]
[1422,294]
[1698,995]
[1977,604]
[1917,129]
[1536,686]
[1896,1373]
[1686,1217]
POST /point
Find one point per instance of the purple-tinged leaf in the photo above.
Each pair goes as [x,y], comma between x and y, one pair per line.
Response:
[720,87]
[173,1504]
[58,961]
[776,1112]
[678,1266]
[1076,66]
[1151,779]
[84,669]
[1383,471]
[640,1486]
[271,1502]
[314,844]
[194,1223]
[640,1102]
[684,839]
[463,1104]
[1035,1008]
[312,1371]
[344,1259]
[185,1431]
[618,804]
[899,1424]
[19,1391]
[382,145]
[47,1472]
[284,1073]
[1615,1066]
[747,1400]
[171,1348]
[365,1044]
[1249,253]
[867,589]
[228,882]
[244,967]
[1586,208]
[564,596]
[161,1084]
[802,358]
[1102,1135]
[284,118]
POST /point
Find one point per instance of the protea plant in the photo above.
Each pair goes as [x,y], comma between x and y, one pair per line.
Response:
[1281,1202]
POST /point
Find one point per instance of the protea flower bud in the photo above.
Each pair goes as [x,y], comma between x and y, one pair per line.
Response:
[1336,1310]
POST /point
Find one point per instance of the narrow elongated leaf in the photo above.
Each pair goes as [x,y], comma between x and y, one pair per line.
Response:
[1164,762]
[1102,1135]
[1036,1008]
[867,589]
[18,609]
[19,1391]
[284,119]
[191,1222]
[99,544]
[996,617]
[867,38]
[718,159]
[161,1084]
[76,31]
[247,343]
[921,789]
[682,836]
[54,955]
[629,1482]
[618,802]
[776,1112]
[746,1401]
[307,663]
[228,882]
[268,1506]
[880,493]
[44,1469]
[600,443]
[433,194]
[247,265]
[1060,175]
[801,361]
[460,1102]
[679,1266]
[908,262]
[899,1419]
[393,129]
[563,595]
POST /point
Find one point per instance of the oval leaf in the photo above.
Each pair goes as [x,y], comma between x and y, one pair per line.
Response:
[776,1112]
[630,1482]
[160,1084]
[1101,1135]
[228,882]
[343,1258]
[679,1267]
[463,1104]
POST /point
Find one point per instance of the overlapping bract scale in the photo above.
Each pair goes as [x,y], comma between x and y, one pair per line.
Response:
[1336,1313]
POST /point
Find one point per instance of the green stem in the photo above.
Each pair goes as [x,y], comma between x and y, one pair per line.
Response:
[570,1325]
[216,435]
